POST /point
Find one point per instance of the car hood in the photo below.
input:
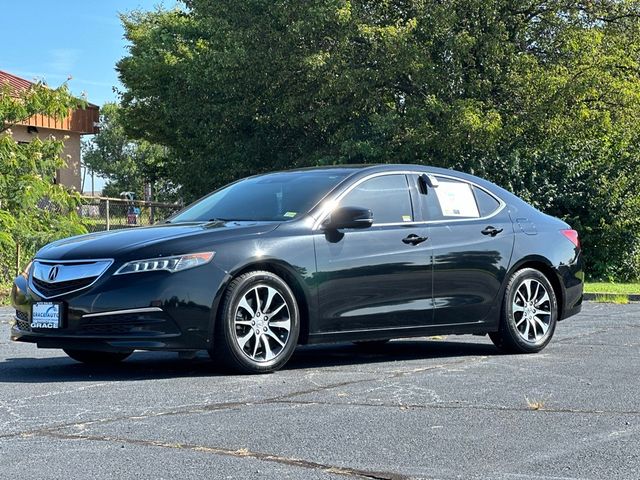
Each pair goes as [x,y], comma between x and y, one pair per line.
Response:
[147,242]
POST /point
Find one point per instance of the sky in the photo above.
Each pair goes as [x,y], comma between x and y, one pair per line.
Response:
[51,40]
[83,39]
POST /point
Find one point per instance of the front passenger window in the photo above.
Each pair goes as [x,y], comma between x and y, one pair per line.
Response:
[387,196]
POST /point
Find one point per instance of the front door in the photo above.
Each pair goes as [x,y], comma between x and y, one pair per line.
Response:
[376,278]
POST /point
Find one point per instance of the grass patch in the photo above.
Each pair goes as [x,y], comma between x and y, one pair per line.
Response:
[610,287]
[535,404]
[612,298]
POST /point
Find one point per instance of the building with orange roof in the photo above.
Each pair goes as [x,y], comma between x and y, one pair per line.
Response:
[79,122]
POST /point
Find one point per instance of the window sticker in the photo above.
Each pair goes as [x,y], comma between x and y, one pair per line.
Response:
[406,218]
[457,200]
[290,214]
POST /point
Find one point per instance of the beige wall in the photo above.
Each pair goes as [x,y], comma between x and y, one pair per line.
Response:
[69,176]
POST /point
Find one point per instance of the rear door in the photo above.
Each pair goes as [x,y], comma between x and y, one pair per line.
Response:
[472,239]
[376,278]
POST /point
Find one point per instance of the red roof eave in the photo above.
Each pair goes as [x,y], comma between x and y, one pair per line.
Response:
[83,121]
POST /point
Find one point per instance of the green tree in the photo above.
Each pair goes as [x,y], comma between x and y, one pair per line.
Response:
[541,97]
[127,164]
[33,211]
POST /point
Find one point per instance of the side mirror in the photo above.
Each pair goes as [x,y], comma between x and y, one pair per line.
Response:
[349,217]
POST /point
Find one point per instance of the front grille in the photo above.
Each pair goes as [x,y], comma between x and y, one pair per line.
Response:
[22,321]
[60,288]
[51,278]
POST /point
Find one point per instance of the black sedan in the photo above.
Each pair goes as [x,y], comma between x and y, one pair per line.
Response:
[353,253]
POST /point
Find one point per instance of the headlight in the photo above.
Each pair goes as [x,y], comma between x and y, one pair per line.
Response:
[170,264]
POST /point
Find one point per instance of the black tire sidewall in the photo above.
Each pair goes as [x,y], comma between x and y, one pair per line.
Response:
[237,290]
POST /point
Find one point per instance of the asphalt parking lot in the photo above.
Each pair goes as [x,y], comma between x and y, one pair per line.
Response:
[443,408]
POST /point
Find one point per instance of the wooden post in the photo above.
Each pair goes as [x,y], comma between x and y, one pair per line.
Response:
[17,259]
[106,211]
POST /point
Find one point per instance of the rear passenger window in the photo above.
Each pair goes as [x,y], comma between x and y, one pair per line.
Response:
[386,196]
[487,204]
[454,199]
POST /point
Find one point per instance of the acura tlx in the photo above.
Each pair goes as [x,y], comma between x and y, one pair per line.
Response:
[361,254]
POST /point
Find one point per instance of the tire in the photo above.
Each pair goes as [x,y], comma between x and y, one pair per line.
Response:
[248,340]
[529,313]
[95,357]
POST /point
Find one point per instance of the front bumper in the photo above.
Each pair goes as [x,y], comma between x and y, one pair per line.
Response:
[146,311]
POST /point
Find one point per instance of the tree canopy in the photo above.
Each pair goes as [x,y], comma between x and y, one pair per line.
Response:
[541,97]
[33,211]
[127,164]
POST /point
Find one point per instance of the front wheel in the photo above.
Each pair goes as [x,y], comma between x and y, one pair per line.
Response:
[259,326]
[94,357]
[529,313]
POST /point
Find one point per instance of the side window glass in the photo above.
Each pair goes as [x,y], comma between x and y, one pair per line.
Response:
[386,196]
[456,199]
[451,199]
[487,204]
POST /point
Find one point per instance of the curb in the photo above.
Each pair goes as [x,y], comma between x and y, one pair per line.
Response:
[592,296]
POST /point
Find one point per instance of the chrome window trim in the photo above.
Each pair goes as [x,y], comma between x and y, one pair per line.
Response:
[65,262]
[123,312]
[326,211]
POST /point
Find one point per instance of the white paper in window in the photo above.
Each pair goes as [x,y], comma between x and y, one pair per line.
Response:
[457,200]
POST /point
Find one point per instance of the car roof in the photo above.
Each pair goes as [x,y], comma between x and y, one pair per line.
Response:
[375,167]
[366,169]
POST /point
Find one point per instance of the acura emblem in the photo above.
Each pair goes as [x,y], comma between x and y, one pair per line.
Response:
[53,273]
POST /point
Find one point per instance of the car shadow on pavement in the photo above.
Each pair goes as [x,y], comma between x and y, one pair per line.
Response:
[319,356]
[162,365]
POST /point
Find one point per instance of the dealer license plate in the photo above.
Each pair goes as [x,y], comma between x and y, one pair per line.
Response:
[46,315]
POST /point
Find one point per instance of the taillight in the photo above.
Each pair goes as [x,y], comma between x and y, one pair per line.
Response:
[572,236]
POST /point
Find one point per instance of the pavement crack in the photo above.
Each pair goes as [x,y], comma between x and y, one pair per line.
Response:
[398,374]
[194,409]
[461,406]
[236,453]
[586,334]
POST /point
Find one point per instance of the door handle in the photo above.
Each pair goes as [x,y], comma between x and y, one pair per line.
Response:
[414,239]
[493,231]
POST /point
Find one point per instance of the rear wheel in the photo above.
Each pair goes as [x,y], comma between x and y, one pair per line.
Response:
[95,357]
[259,326]
[529,313]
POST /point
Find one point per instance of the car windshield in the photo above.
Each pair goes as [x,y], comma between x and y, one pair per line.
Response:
[272,197]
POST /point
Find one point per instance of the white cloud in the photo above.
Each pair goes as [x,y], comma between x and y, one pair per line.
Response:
[63,60]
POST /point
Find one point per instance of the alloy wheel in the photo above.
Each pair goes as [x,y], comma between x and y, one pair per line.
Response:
[262,323]
[532,310]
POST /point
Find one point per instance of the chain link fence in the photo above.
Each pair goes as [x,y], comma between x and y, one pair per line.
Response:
[97,214]
[103,213]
